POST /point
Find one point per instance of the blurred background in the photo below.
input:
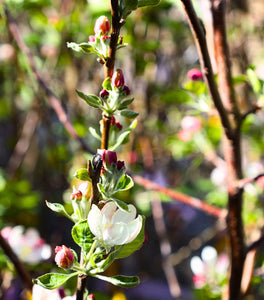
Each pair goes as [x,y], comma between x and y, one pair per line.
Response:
[38,157]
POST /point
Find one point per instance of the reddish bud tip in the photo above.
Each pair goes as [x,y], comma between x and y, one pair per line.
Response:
[91,297]
[113,121]
[118,125]
[126,90]
[102,25]
[91,38]
[195,74]
[64,256]
[76,195]
[106,38]
[118,79]
[104,93]
[109,157]
[120,164]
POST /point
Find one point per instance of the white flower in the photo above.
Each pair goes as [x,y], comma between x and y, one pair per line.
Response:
[112,226]
[40,293]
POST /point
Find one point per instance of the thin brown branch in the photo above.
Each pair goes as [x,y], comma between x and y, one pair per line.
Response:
[200,40]
[256,244]
[191,201]
[105,132]
[22,272]
[54,102]
[165,249]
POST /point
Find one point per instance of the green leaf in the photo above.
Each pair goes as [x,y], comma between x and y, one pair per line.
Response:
[59,208]
[131,247]
[196,87]
[239,79]
[142,3]
[131,4]
[82,174]
[91,100]
[107,84]
[82,235]
[120,280]
[94,133]
[53,280]
[120,140]
[176,96]
[121,204]
[130,114]
[254,81]
[104,264]
[83,47]
[125,104]
[125,183]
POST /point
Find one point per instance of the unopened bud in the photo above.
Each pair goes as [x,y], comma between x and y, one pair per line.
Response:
[91,38]
[118,125]
[195,74]
[102,25]
[76,195]
[109,157]
[120,165]
[106,38]
[104,93]
[126,90]
[91,297]
[64,257]
[118,78]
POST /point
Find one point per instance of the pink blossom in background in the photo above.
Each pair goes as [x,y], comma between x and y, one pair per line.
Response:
[195,74]
[190,125]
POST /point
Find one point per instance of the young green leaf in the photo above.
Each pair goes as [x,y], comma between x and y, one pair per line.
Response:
[107,84]
[82,235]
[121,204]
[59,208]
[82,174]
[142,3]
[125,183]
[131,247]
[94,133]
[53,280]
[254,81]
[91,100]
[125,103]
[130,114]
[131,4]
[120,280]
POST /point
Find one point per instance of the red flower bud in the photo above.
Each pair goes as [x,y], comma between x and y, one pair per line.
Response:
[118,78]
[102,25]
[76,196]
[109,157]
[126,90]
[113,121]
[195,74]
[104,93]
[91,297]
[118,125]
[120,164]
[91,38]
[64,256]
[106,37]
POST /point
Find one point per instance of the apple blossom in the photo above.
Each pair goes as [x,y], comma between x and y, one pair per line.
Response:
[64,256]
[112,226]
[102,25]
[195,74]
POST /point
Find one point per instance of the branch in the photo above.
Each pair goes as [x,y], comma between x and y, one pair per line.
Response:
[200,40]
[54,102]
[255,244]
[191,201]
[22,272]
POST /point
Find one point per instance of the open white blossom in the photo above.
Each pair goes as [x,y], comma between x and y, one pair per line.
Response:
[112,226]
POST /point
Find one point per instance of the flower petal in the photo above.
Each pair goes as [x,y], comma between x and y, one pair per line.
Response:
[107,212]
[134,228]
[95,221]
[115,234]
[122,216]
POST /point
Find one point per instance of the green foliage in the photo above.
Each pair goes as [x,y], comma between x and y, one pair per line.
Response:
[120,280]
[52,281]
[82,235]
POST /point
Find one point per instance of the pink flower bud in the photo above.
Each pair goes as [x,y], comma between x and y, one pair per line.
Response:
[91,297]
[120,164]
[126,90]
[102,25]
[76,195]
[109,157]
[64,256]
[195,74]
[113,121]
[104,93]
[118,78]
[91,38]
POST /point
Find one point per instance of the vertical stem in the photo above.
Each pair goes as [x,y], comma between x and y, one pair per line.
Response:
[106,129]
[232,151]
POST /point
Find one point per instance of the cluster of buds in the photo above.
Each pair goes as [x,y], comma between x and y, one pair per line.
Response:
[64,257]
